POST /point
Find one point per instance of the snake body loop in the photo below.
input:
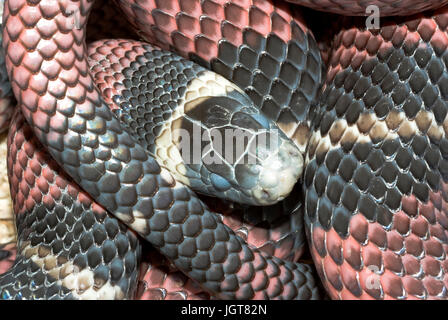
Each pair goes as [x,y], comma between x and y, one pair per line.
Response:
[264,48]
[376,175]
[90,165]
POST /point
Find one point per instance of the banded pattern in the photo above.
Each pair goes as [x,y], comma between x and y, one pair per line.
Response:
[376,178]
[160,280]
[7,229]
[68,246]
[375,182]
[277,230]
[184,115]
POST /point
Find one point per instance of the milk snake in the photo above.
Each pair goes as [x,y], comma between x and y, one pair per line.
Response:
[372,137]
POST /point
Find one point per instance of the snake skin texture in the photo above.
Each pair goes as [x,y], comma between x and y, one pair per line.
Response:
[7,100]
[376,182]
[264,48]
[325,26]
[359,7]
[272,229]
[7,256]
[160,280]
[185,114]
[7,227]
[68,116]
[69,247]
[276,230]
[103,23]
[7,230]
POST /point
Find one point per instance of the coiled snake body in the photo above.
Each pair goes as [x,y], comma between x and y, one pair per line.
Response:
[84,140]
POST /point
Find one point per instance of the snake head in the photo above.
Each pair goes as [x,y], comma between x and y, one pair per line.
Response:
[245,158]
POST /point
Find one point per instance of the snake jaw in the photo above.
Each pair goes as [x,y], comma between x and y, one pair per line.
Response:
[278,174]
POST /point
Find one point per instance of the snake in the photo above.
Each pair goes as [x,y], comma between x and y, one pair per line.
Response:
[87,182]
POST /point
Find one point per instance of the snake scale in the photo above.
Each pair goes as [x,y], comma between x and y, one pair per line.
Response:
[106,209]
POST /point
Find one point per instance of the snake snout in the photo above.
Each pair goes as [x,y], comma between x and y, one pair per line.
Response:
[278,174]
